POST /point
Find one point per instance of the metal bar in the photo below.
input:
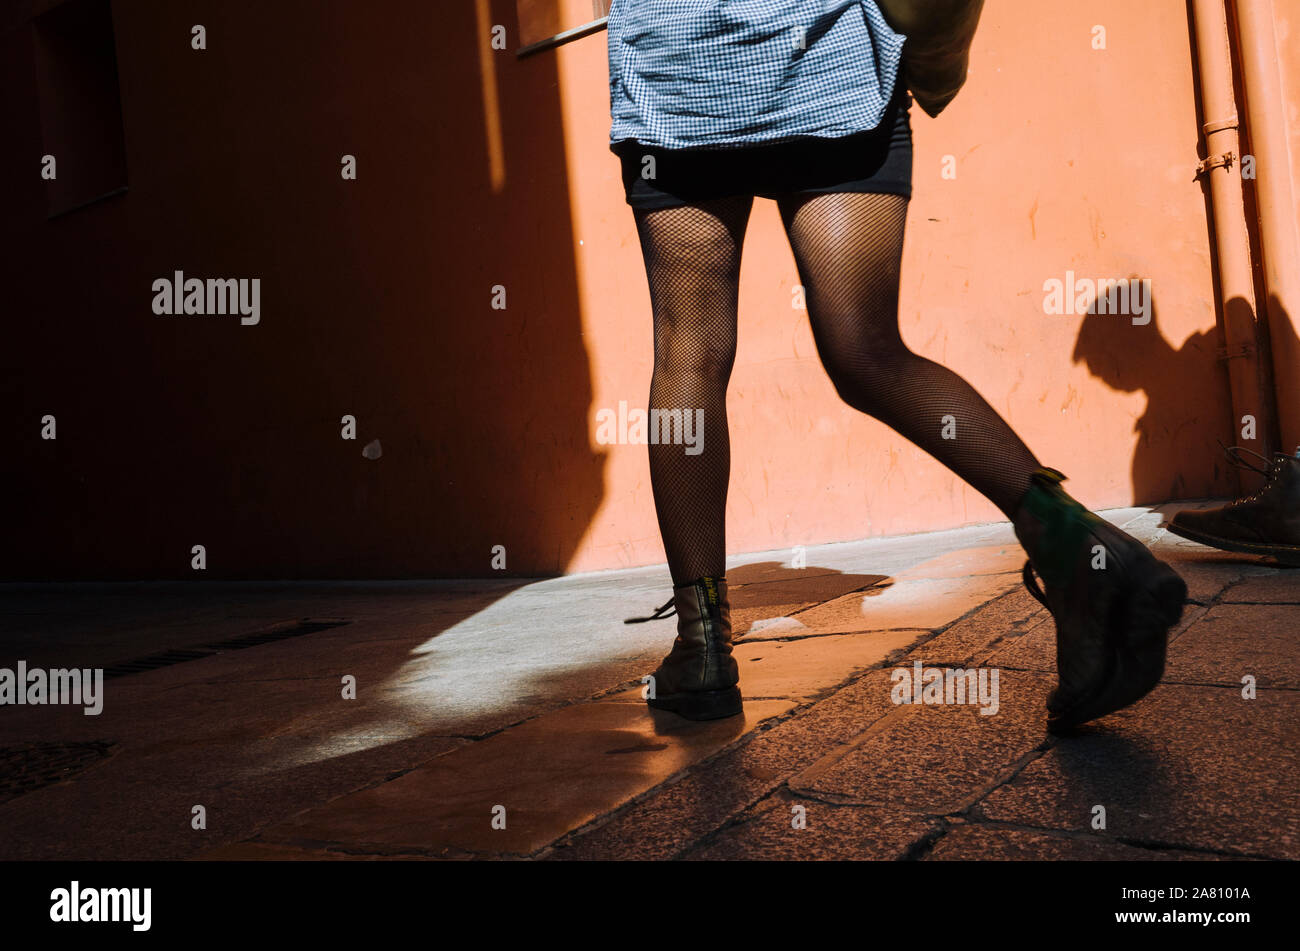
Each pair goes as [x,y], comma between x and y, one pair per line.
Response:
[553,41]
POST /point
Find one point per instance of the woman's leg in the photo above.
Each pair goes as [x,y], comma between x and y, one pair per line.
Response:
[692,261]
[1112,601]
[848,248]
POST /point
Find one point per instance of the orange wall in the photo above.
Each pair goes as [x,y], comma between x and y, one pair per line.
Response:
[1287,26]
[478,169]
[1068,158]
[1287,20]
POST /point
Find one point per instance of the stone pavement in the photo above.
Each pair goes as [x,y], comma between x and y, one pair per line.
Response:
[517,700]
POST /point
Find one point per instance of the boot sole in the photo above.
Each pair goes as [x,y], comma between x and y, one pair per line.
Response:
[701,704]
[1138,627]
[1288,554]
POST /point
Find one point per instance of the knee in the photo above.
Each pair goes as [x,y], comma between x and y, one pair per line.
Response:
[691,354]
[855,389]
[856,374]
[862,375]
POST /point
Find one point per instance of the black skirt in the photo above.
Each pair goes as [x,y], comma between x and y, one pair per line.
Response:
[878,161]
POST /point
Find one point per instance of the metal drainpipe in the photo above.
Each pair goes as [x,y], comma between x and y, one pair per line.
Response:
[1231,240]
[1266,121]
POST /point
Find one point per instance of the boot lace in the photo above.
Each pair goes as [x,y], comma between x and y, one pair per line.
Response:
[1031,582]
[660,613]
[1234,456]
[1269,470]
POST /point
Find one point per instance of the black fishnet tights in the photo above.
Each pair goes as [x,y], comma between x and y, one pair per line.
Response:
[847,247]
[692,260]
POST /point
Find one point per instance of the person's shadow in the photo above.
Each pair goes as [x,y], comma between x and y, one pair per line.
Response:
[1187,394]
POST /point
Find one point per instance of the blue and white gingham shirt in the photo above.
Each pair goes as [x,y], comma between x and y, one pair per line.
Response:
[710,73]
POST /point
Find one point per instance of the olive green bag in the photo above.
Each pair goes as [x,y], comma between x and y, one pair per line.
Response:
[937,51]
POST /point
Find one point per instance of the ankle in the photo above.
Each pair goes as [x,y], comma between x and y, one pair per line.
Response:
[1050,524]
[1033,511]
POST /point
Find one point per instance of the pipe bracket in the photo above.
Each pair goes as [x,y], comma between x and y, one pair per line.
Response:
[1241,350]
[1218,126]
[1224,160]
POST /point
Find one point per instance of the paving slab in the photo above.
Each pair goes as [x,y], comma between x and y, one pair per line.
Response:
[987,843]
[1187,767]
[788,827]
[921,602]
[137,805]
[762,620]
[1278,586]
[804,589]
[778,592]
[935,759]
[1007,617]
[1035,647]
[1144,523]
[775,628]
[1031,649]
[969,562]
[1231,641]
[1209,573]
[673,817]
[549,775]
[806,668]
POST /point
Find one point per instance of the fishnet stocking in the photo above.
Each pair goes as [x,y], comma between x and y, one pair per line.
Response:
[692,260]
[848,247]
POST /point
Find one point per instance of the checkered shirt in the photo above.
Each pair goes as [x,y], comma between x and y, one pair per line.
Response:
[721,73]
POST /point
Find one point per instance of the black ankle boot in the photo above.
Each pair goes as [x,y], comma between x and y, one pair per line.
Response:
[1112,600]
[697,680]
[1266,523]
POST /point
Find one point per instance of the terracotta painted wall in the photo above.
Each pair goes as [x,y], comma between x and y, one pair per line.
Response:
[1067,158]
[1287,25]
[477,169]
[1287,20]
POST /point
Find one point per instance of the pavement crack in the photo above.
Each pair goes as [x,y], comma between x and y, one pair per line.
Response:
[924,844]
[978,820]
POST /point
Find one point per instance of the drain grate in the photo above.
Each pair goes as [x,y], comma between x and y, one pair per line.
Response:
[36,765]
[276,632]
[154,661]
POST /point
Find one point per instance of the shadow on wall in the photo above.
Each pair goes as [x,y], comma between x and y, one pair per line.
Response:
[1183,385]
[376,302]
[1281,324]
